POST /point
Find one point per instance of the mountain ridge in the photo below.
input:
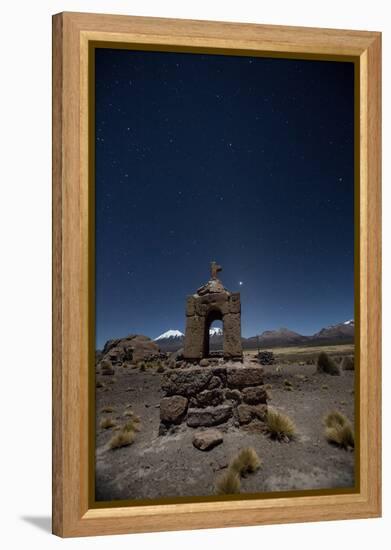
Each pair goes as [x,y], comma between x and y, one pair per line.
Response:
[342,332]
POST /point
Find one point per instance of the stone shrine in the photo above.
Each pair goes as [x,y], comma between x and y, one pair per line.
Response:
[212,302]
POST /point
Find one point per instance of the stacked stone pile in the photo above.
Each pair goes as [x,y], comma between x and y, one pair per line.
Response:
[266,358]
[211,396]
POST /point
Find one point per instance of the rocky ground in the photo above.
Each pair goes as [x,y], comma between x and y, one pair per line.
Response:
[164,466]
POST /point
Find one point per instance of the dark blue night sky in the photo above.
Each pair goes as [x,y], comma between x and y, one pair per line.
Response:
[246,161]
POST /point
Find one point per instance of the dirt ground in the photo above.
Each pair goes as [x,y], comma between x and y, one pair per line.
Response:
[170,466]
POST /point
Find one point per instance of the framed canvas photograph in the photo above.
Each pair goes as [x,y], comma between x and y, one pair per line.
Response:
[216,274]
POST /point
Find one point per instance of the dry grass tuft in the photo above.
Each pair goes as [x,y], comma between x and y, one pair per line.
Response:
[246,462]
[107,423]
[335,418]
[107,409]
[347,363]
[228,483]
[280,426]
[327,365]
[132,426]
[142,366]
[343,436]
[288,384]
[339,430]
[122,439]
[99,384]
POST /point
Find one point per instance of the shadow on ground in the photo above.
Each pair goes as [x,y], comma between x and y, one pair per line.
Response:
[44,523]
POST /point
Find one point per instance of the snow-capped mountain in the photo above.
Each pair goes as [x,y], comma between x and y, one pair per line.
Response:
[172,340]
[341,332]
[170,334]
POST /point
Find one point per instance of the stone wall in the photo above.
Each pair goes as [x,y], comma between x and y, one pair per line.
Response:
[211,396]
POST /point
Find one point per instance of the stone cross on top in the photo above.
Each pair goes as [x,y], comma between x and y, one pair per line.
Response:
[214,269]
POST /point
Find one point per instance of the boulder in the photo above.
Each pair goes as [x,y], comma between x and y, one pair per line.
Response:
[132,349]
[210,416]
[246,413]
[106,367]
[233,395]
[176,355]
[214,382]
[204,362]
[207,439]
[173,409]
[241,377]
[208,398]
[186,382]
[221,373]
[254,395]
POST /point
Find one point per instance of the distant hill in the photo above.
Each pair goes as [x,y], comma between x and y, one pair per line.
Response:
[275,338]
[341,333]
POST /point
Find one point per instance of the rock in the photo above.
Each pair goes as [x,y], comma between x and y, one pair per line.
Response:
[106,367]
[241,377]
[204,363]
[233,395]
[173,409]
[214,382]
[132,348]
[207,439]
[246,413]
[255,427]
[163,429]
[186,381]
[266,358]
[210,416]
[208,398]
[221,373]
[254,395]
[176,355]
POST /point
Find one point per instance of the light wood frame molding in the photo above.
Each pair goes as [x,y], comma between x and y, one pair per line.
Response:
[72,33]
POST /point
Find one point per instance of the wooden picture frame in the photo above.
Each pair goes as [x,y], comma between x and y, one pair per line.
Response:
[73,33]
